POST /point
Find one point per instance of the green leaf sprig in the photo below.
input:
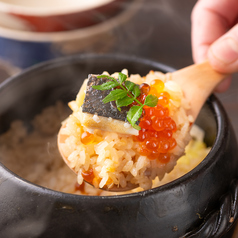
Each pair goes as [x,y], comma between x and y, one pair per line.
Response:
[126,93]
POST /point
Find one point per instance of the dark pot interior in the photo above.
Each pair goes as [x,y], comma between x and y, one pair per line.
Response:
[172,210]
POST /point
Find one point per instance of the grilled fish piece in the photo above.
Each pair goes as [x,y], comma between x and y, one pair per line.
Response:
[104,116]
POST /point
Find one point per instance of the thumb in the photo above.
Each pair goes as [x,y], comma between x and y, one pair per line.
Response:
[223,53]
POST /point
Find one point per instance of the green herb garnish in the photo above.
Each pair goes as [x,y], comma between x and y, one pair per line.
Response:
[125,94]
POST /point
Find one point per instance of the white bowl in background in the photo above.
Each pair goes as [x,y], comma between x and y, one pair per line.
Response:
[25,48]
[57,15]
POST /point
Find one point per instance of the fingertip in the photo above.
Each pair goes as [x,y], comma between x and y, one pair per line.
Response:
[223,53]
[200,55]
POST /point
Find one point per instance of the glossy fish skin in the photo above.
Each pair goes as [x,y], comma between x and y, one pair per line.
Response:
[93,101]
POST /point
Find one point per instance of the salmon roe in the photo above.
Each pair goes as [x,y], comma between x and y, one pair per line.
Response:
[144,90]
[79,187]
[87,137]
[157,86]
[157,127]
[88,176]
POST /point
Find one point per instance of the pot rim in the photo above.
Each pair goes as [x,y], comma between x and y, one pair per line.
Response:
[209,160]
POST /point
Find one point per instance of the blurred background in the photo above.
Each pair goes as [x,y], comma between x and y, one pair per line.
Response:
[155,29]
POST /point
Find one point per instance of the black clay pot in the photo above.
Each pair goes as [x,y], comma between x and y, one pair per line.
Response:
[203,203]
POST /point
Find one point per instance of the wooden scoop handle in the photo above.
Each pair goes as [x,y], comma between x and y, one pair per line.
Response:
[197,82]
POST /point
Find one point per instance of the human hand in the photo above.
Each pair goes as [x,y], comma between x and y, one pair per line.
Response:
[215,36]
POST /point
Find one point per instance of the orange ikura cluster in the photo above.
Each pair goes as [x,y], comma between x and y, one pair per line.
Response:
[157,127]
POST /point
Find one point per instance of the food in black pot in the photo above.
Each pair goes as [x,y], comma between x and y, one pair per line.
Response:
[171,210]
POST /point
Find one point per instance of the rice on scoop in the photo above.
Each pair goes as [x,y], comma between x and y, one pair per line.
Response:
[107,159]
